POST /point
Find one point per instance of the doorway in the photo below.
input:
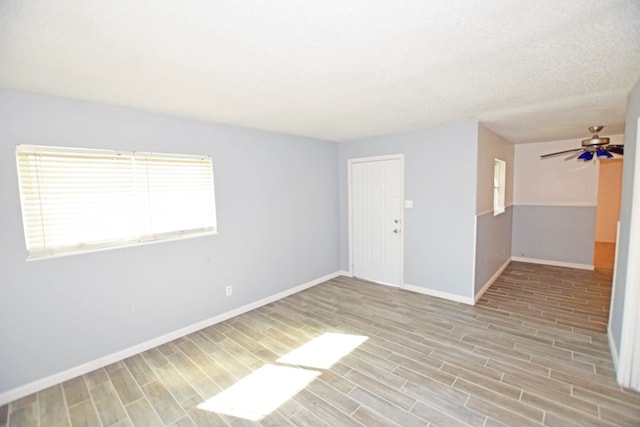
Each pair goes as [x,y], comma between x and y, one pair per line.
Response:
[376,193]
[607,213]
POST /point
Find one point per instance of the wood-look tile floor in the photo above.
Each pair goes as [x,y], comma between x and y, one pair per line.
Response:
[532,352]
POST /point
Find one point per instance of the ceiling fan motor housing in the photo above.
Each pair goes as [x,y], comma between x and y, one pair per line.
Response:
[595,142]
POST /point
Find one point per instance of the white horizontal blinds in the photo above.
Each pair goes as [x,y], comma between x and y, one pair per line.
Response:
[72,200]
[499,189]
[75,200]
[179,193]
[496,186]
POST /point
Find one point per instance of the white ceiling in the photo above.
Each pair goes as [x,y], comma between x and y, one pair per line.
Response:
[336,69]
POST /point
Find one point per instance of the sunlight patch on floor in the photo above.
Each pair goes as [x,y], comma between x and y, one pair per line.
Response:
[324,351]
[263,391]
[260,393]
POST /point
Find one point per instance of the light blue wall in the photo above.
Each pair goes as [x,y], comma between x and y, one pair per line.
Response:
[493,245]
[278,228]
[440,178]
[619,287]
[554,233]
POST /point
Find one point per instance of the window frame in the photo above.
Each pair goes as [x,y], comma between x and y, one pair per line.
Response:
[499,186]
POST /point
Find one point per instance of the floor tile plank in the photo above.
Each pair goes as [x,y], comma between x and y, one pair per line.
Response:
[83,414]
[51,406]
[142,373]
[75,391]
[108,406]
[161,400]
[24,415]
[142,414]
[386,409]
[126,387]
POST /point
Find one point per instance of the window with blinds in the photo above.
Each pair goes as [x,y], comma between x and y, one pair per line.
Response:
[499,185]
[77,200]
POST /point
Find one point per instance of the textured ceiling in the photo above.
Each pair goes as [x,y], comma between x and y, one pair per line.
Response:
[336,69]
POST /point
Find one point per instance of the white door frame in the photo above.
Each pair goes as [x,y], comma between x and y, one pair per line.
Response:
[629,361]
[350,162]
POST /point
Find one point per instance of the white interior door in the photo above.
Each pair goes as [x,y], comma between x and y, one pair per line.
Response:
[376,199]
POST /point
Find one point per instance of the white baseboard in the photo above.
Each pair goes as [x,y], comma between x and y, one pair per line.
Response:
[554,263]
[613,349]
[421,290]
[491,280]
[438,294]
[344,273]
[32,387]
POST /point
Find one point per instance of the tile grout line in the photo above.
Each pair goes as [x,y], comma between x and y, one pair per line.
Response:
[93,403]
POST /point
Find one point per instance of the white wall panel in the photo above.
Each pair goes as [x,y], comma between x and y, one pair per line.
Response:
[554,181]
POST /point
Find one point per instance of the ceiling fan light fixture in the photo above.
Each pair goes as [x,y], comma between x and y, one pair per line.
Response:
[586,156]
[604,154]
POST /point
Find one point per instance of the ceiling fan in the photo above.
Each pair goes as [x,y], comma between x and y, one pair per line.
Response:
[597,145]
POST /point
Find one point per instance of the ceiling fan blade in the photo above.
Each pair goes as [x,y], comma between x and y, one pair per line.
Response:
[618,149]
[544,156]
[573,156]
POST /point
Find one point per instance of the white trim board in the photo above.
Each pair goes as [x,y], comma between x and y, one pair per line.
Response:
[562,204]
[491,280]
[475,257]
[32,387]
[438,294]
[554,263]
[613,295]
[419,289]
[490,211]
[612,348]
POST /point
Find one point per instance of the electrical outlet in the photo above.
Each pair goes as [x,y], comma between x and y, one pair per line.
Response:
[228,291]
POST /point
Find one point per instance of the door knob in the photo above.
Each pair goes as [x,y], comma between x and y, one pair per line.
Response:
[395,230]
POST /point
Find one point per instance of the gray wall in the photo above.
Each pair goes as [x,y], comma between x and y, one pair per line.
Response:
[440,178]
[493,245]
[628,171]
[554,233]
[277,209]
